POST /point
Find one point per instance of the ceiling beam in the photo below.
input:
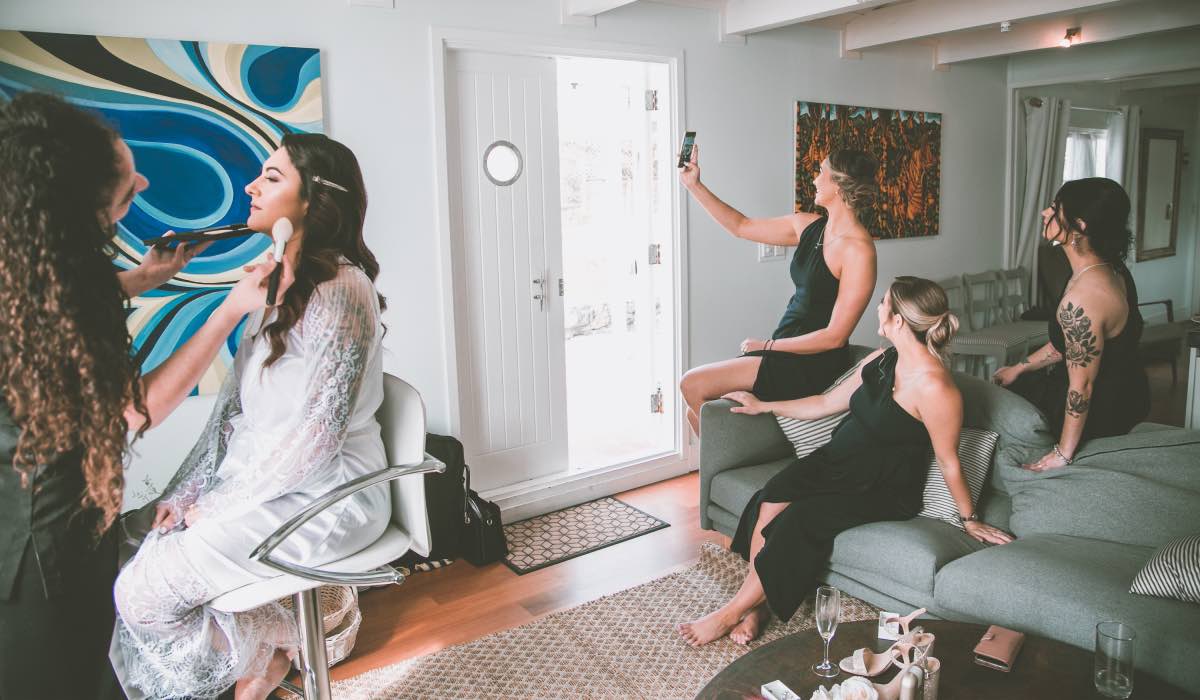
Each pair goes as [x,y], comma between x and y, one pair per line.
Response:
[1110,24]
[928,18]
[750,16]
[591,8]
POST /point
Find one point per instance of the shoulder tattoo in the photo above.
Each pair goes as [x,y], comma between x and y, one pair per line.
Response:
[1077,332]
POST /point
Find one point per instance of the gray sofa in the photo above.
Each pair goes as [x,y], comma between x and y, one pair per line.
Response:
[1083,531]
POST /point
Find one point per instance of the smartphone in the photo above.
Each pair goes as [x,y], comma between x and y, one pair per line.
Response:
[685,153]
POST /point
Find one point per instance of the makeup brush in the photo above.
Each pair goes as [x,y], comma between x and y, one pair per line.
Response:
[214,233]
[281,232]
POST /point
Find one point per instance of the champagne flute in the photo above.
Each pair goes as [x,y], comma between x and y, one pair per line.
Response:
[828,611]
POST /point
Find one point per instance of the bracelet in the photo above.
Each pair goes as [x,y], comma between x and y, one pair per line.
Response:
[1058,452]
[972,518]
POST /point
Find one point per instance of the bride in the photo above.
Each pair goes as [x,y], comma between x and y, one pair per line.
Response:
[294,419]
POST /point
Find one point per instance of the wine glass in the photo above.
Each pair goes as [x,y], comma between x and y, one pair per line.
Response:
[828,611]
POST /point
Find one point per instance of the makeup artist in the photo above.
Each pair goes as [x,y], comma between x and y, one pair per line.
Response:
[70,390]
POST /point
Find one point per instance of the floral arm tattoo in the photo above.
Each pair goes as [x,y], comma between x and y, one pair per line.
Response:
[1077,332]
[1077,403]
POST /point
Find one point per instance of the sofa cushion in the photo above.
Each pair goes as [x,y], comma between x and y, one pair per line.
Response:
[807,436]
[1060,586]
[732,489]
[1141,489]
[1021,427]
[975,449]
[1173,572]
[905,552]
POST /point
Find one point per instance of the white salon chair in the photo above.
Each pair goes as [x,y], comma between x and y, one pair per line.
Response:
[402,419]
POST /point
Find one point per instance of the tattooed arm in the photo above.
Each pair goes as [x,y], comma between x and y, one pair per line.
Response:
[1084,344]
[1083,335]
[1042,357]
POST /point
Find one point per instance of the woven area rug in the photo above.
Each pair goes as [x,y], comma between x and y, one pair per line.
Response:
[568,533]
[620,646]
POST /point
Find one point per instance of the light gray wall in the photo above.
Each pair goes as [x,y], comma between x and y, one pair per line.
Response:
[378,85]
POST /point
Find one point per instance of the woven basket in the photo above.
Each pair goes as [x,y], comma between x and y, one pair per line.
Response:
[336,601]
[340,642]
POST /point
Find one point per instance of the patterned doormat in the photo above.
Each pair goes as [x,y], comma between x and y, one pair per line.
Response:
[620,646]
[568,533]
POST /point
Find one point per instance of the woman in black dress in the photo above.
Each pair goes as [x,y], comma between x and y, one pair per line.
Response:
[1088,380]
[70,390]
[873,468]
[833,270]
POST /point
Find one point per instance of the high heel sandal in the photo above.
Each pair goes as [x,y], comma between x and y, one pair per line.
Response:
[867,663]
[891,691]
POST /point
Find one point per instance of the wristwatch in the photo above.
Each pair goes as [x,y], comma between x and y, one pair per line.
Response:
[972,518]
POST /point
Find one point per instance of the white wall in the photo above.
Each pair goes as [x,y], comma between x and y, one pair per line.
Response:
[1143,55]
[377,71]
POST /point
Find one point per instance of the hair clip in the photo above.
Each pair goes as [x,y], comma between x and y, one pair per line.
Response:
[328,183]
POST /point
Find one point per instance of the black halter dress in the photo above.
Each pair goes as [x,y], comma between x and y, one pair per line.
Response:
[787,375]
[873,469]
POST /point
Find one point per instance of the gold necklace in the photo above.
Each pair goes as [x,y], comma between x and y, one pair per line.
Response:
[1077,274]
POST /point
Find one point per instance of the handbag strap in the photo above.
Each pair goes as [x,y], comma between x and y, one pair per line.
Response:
[467,505]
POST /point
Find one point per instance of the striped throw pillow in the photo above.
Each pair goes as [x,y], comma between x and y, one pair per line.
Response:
[807,435]
[975,449]
[1173,571]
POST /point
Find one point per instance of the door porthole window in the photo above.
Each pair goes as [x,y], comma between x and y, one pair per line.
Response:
[502,163]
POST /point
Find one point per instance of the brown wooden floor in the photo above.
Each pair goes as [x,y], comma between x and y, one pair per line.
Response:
[459,603]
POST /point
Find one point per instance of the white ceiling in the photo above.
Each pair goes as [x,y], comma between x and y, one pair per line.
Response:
[957,30]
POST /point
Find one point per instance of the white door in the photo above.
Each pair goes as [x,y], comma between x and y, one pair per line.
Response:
[504,201]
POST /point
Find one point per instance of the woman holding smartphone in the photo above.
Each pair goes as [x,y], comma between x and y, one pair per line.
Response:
[833,270]
[70,389]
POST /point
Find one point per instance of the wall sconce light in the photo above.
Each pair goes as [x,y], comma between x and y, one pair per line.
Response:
[1070,38]
[1006,26]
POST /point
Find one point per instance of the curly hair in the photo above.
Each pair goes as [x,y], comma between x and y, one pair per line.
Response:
[854,173]
[333,227]
[65,362]
[1103,207]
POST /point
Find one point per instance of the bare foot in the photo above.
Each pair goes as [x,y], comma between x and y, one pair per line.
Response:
[751,625]
[260,687]
[709,628]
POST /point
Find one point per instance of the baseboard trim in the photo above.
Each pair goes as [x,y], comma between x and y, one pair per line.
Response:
[539,496]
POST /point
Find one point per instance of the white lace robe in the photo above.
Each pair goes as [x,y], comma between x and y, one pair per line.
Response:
[278,437]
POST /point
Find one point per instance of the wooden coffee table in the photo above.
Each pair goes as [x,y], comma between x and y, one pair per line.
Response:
[1044,668]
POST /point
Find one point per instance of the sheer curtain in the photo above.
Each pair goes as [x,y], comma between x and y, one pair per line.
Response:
[1042,143]
[1086,155]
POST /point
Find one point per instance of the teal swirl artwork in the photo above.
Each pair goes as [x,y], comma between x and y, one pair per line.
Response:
[200,118]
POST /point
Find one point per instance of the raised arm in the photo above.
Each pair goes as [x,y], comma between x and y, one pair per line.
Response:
[780,230]
[339,330]
[856,284]
[941,410]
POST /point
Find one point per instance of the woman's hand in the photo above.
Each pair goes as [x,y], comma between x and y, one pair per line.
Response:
[689,174]
[752,344]
[1006,375]
[750,405]
[986,533]
[1052,460]
[165,519]
[250,293]
[191,516]
[158,265]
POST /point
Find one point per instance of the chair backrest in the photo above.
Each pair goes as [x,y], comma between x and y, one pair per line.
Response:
[1014,292]
[401,419]
[983,300]
[957,298]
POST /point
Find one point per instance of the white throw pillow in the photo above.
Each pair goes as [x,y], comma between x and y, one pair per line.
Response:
[807,435]
[975,449]
[1172,572]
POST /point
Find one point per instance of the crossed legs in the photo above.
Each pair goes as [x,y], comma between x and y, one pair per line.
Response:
[744,616]
[714,380]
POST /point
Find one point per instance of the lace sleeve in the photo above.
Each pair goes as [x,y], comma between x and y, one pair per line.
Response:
[199,468]
[339,328]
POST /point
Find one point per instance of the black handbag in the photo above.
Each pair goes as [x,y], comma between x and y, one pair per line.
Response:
[483,539]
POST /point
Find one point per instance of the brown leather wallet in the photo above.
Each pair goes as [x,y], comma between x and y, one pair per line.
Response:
[999,647]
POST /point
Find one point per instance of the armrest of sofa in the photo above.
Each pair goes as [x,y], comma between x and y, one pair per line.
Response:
[730,440]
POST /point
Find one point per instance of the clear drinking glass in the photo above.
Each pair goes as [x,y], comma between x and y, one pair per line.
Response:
[828,611]
[1114,659]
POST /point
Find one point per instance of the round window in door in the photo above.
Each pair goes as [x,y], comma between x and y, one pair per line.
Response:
[502,163]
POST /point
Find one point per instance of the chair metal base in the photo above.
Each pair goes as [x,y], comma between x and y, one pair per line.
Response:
[314,666]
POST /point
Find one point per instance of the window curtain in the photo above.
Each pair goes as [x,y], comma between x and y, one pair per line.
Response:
[1042,144]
